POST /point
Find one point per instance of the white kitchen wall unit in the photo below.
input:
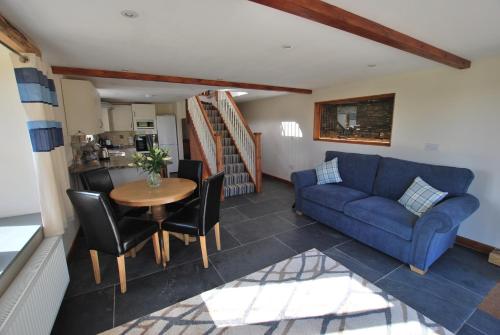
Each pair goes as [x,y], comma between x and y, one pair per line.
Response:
[82,105]
[144,111]
[120,118]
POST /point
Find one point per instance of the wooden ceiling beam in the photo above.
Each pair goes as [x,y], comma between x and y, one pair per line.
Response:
[333,16]
[75,71]
[14,39]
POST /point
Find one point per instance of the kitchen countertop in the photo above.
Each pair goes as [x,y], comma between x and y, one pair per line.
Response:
[114,162]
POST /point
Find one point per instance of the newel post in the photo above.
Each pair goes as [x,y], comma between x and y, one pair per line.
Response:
[258,162]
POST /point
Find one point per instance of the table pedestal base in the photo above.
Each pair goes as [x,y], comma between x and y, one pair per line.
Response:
[160,214]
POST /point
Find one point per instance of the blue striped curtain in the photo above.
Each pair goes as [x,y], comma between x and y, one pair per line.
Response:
[37,92]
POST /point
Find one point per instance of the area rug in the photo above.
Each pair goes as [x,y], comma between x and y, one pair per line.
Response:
[306,294]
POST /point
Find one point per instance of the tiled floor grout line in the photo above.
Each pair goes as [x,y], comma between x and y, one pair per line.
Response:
[467,319]
[283,243]
[217,270]
[459,285]
[387,274]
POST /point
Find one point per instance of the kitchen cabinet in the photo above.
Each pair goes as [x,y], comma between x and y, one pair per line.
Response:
[82,105]
[120,118]
[105,119]
[144,111]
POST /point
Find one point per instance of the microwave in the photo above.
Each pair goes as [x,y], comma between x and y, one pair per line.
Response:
[144,124]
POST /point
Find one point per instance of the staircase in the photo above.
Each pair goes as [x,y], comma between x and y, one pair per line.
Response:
[236,180]
[224,141]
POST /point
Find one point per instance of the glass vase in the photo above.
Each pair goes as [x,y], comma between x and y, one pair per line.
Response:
[154,179]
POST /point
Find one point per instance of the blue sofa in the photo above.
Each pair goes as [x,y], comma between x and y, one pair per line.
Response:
[364,205]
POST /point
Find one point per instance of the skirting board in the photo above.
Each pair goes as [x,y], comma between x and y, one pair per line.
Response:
[494,257]
[462,241]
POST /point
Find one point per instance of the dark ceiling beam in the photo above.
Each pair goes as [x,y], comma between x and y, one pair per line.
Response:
[15,40]
[333,16]
[75,71]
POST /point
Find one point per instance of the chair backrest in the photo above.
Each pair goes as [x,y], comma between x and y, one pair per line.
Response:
[98,180]
[192,170]
[97,220]
[210,195]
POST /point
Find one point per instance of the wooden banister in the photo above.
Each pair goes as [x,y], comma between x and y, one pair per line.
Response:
[230,97]
[258,162]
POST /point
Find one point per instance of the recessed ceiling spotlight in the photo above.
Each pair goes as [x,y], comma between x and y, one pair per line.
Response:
[286,46]
[372,65]
[129,14]
[148,95]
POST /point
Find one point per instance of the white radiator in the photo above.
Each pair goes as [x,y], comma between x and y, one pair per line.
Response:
[31,303]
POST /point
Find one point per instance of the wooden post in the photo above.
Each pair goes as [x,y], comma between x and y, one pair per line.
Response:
[219,154]
[258,162]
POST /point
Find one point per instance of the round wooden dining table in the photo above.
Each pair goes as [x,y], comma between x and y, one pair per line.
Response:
[140,194]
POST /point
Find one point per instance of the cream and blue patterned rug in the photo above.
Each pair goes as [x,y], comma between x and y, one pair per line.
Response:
[307,294]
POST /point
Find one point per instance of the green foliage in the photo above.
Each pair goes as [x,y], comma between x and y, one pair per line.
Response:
[151,162]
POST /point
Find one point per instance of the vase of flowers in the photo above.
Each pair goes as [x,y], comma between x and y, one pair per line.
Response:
[151,163]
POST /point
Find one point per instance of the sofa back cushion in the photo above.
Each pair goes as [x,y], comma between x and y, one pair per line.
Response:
[394,176]
[357,171]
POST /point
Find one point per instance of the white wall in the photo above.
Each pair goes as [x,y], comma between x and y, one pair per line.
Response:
[18,184]
[457,109]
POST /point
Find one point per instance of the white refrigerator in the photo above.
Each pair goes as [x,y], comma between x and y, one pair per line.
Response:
[166,126]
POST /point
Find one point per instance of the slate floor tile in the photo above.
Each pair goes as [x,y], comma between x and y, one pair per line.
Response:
[298,220]
[259,228]
[231,215]
[249,258]
[447,304]
[159,290]
[86,314]
[467,268]
[353,264]
[254,210]
[312,236]
[180,253]
[486,323]
[468,330]
[369,256]
[235,201]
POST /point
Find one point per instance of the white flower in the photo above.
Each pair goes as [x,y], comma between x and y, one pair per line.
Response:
[167,158]
[149,158]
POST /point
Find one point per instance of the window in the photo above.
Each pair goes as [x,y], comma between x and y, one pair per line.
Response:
[364,120]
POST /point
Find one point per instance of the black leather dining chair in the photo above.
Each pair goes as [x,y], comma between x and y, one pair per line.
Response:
[197,217]
[99,180]
[106,233]
[192,170]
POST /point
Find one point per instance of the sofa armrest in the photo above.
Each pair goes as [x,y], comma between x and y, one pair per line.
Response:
[304,178]
[301,179]
[432,232]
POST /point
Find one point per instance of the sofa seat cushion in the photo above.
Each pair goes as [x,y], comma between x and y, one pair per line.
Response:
[332,196]
[385,214]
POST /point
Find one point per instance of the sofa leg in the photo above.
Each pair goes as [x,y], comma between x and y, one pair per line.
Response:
[299,213]
[417,270]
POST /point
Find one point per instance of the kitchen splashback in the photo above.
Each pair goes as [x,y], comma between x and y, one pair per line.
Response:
[122,138]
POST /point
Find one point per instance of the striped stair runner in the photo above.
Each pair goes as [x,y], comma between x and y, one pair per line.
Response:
[236,180]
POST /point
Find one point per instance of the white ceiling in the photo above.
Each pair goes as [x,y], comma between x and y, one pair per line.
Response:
[238,40]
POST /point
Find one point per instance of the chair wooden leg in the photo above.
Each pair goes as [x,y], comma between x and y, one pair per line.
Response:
[156,246]
[217,236]
[121,272]
[186,239]
[166,248]
[133,253]
[95,266]
[417,270]
[203,245]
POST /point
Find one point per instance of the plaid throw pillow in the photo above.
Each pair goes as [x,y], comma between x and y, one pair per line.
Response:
[328,172]
[420,197]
